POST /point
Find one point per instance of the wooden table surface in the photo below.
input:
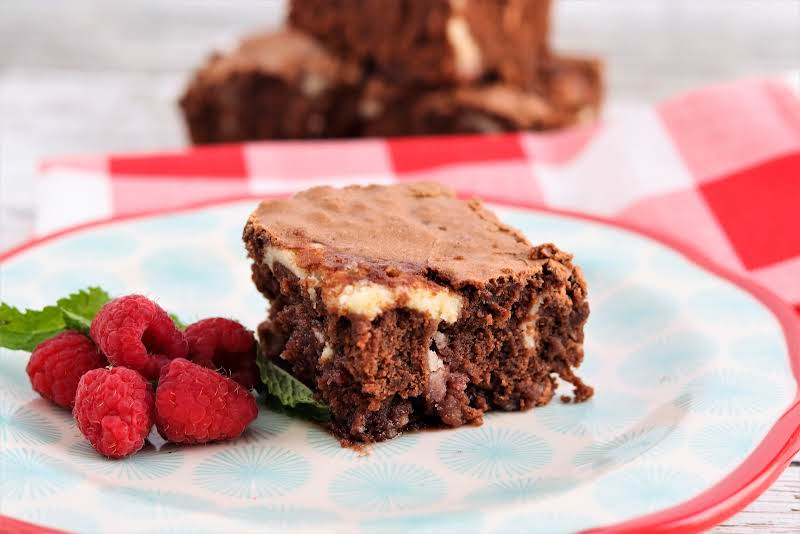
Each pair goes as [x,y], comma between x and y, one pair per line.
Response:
[97,76]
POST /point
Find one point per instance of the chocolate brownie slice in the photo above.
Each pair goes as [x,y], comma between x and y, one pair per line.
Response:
[403,307]
[433,41]
[281,85]
[571,93]
[285,86]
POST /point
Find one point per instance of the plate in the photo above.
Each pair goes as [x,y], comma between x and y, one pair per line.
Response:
[696,409]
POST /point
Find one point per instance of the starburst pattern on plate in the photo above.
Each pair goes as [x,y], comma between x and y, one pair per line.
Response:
[66,281]
[267,425]
[29,474]
[253,471]
[158,503]
[15,381]
[103,244]
[387,487]
[728,392]
[667,359]
[604,414]
[765,352]
[632,314]
[741,437]
[723,304]
[146,464]
[21,425]
[324,443]
[59,517]
[522,489]
[544,522]
[431,523]
[489,452]
[282,514]
[176,272]
[645,488]
[621,449]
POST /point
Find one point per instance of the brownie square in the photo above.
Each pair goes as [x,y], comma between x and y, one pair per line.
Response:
[404,307]
[570,93]
[280,85]
[433,42]
[285,86]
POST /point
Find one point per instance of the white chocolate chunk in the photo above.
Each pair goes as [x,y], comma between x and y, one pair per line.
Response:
[434,362]
[440,339]
[529,332]
[318,335]
[370,299]
[313,85]
[467,54]
[285,258]
[370,108]
[365,298]
[327,354]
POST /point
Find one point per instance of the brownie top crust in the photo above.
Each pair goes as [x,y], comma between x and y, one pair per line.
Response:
[416,234]
[286,54]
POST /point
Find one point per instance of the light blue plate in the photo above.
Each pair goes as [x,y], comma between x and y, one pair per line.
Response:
[690,372]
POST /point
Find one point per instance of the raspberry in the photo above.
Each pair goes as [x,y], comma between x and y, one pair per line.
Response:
[226,346]
[197,405]
[114,410]
[135,332]
[57,364]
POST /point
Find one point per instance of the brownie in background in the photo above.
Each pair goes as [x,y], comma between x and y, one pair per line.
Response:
[355,68]
[434,42]
[571,94]
[280,85]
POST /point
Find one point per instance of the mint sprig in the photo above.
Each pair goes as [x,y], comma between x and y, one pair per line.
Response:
[80,308]
[23,330]
[292,395]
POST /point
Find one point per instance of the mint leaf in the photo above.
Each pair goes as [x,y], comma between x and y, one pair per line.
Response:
[80,308]
[289,392]
[24,330]
[317,412]
[180,325]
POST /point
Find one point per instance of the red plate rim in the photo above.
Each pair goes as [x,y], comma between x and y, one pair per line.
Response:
[731,494]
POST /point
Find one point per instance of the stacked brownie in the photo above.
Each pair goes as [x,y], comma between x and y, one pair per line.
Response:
[348,68]
[403,307]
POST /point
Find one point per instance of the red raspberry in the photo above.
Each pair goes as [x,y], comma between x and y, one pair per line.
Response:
[114,410]
[135,332]
[226,346]
[57,364]
[198,405]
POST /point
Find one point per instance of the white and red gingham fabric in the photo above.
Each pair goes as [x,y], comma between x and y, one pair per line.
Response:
[717,168]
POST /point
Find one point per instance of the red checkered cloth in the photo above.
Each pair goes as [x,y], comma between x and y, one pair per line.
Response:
[718,169]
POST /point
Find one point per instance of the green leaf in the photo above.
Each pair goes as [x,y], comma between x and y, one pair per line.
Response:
[287,391]
[317,412]
[24,330]
[80,308]
[178,323]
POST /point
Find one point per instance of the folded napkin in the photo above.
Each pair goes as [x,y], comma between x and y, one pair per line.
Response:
[717,169]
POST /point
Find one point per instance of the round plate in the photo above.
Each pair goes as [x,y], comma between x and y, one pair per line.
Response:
[695,406]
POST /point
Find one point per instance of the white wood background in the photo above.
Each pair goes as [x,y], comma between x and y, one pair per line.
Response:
[96,76]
